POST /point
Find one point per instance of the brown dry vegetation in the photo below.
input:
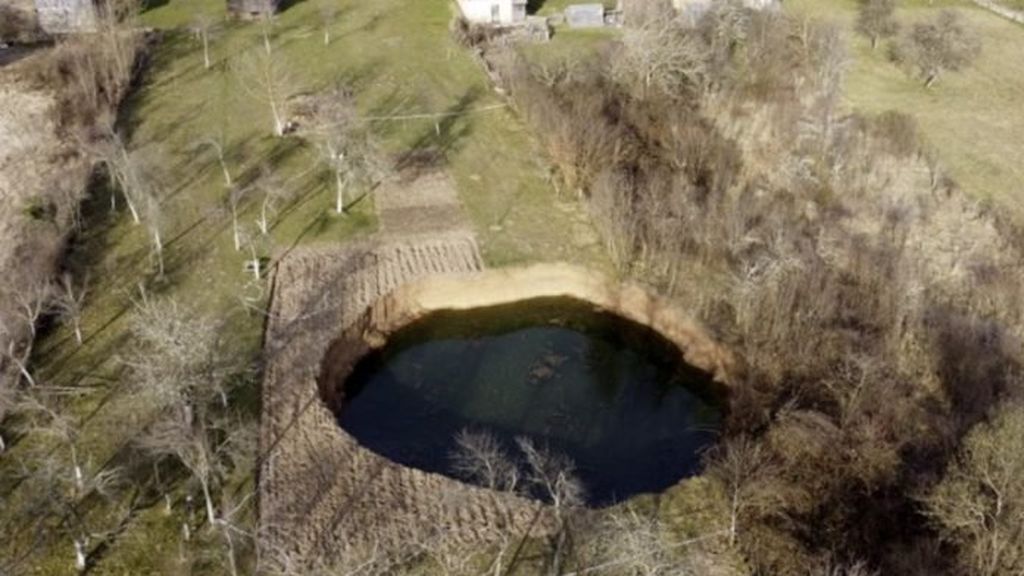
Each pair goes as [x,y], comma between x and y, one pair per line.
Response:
[875,304]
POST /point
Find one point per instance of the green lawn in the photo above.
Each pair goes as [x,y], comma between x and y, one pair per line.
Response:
[973,120]
[398,57]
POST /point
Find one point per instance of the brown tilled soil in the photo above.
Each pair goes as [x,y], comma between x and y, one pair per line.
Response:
[420,204]
[320,492]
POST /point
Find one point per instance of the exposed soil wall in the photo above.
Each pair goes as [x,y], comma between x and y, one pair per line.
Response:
[506,286]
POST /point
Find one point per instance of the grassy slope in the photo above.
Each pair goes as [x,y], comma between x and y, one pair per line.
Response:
[974,119]
[399,58]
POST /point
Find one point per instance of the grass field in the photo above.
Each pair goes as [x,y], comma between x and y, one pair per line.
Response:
[399,59]
[973,120]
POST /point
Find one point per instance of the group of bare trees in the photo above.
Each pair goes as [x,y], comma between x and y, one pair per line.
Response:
[739,169]
[929,48]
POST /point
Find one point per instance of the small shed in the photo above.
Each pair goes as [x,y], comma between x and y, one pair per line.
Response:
[66,16]
[585,15]
[251,9]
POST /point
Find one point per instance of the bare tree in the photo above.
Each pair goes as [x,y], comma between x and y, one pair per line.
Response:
[217,145]
[479,458]
[554,476]
[69,302]
[271,191]
[345,145]
[155,226]
[741,466]
[639,13]
[236,195]
[256,244]
[265,78]
[50,494]
[629,541]
[935,46]
[875,19]
[979,504]
[660,56]
[328,15]
[203,25]
[32,302]
[181,372]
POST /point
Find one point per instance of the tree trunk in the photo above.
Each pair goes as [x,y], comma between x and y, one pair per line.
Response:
[211,515]
[158,246]
[206,49]
[733,520]
[874,42]
[278,121]
[339,204]
[79,555]
[262,221]
[131,207]
[327,36]
[231,549]
[224,169]
[234,228]
[78,331]
[933,77]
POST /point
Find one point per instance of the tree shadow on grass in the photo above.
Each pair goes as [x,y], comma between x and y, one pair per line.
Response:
[441,137]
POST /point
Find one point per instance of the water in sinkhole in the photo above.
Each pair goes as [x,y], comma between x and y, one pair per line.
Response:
[611,395]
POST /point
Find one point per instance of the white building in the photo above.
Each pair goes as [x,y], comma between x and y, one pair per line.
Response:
[66,16]
[494,11]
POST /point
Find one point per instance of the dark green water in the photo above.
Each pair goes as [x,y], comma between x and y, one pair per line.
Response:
[611,395]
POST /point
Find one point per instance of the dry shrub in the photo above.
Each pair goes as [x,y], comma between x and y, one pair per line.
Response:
[849,277]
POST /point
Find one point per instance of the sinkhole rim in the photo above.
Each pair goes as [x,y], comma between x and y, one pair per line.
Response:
[629,302]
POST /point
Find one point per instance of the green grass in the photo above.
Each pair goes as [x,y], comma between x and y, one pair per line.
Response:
[550,7]
[399,59]
[973,120]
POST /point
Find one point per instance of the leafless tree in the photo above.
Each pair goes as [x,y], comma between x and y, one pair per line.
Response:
[155,223]
[979,504]
[639,13]
[180,371]
[235,197]
[629,541]
[479,458]
[255,243]
[660,57]
[935,46]
[346,146]
[267,10]
[40,414]
[741,466]
[69,302]
[328,15]
[32,302]
[217,145]
[554,475]
[875,19]
[264,77]
[202,28]
[271,191]
[51,494]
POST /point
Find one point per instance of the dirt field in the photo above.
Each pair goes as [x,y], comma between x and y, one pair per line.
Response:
[319,490]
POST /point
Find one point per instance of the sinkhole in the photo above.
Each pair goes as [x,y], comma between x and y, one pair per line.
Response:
[611,395]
